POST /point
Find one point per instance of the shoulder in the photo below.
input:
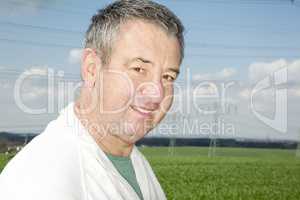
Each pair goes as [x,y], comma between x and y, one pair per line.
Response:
[146,175]
[48,165]
[139,159]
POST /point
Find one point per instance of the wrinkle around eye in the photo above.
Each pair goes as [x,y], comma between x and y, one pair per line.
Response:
[169,78]
[139,69]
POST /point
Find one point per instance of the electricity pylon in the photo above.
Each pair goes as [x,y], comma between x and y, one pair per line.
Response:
[298,147]
[172,143]
[217,117]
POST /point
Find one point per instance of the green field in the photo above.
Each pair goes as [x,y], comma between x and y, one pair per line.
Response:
[233,174]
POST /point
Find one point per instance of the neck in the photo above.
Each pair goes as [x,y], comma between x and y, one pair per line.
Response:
[109,143]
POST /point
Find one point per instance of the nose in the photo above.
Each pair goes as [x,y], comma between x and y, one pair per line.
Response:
[150,95]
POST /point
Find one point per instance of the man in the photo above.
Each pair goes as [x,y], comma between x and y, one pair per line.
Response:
[132,55]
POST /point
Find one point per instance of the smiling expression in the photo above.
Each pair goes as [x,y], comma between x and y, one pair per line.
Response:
[135,90]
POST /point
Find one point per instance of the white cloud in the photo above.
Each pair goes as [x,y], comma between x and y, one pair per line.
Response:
[32,84]
[39,83]
[29,78]
[263,95]
[294,71]
[34,93]
[245,93]
[294,92]
[75,56]
[260,70]
[41,71]
[207,90]
[4,84]
[225,73]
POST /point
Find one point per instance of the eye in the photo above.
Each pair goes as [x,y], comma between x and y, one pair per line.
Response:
[139,69]
[169,77]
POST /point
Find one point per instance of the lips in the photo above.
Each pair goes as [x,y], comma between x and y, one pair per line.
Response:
[143,111]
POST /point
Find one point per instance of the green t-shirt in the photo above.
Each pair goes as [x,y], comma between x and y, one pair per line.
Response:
[125,168]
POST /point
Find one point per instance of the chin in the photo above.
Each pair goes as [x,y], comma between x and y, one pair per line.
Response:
[130,140]
[133,138]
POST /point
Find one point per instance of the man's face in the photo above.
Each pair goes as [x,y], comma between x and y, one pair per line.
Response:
[136,87]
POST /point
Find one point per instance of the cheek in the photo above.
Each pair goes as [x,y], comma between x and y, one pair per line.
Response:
[165,104]
[115,92]
[168,98]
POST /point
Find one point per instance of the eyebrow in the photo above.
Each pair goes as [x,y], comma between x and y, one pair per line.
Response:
[174,70]
[139,59]
[144,60]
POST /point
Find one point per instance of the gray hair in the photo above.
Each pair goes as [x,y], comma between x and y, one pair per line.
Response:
[106,23]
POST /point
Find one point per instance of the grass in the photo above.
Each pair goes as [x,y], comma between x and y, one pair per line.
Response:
[233,174]
[4,159]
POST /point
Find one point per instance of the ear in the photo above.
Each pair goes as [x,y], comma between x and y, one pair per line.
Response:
[90,67]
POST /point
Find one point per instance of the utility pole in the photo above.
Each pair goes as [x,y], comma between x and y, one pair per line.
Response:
[26,140]
[216,118]
[213,135]
[172,146]
[298,147]
[172,143]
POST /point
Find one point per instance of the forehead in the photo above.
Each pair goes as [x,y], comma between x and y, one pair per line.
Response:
[145,39]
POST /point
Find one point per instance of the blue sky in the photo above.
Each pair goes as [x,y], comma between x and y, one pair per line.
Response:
[218,34]
[224,40]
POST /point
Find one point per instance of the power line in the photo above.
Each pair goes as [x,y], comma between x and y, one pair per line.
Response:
[228,25]
[63,79]
[43,7]
[243,2]
[24,125]
[202,27]
[213,2]
[262,29]
[241,56]
[40,27]
[15,73]
[194,55]
[43,44]
[198,45]
[238,47]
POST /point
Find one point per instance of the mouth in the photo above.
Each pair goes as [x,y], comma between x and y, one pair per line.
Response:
[142,111]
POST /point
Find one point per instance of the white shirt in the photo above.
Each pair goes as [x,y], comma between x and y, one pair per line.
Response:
[65,163]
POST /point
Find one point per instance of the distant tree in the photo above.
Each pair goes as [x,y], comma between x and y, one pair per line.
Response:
[3,146]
